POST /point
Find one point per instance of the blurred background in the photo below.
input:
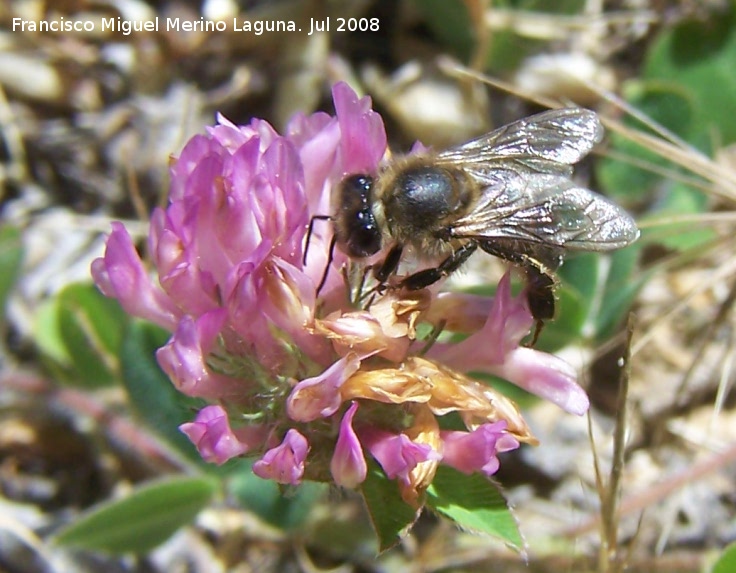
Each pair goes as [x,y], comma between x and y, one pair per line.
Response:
[88,123]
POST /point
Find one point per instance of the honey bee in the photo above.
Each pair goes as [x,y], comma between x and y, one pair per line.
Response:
[508,192]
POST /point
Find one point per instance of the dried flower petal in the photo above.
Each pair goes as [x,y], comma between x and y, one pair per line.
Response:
[423,430]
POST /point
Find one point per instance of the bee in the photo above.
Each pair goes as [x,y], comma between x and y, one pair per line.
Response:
[508,192]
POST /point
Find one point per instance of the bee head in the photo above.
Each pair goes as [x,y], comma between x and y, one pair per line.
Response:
[356,230]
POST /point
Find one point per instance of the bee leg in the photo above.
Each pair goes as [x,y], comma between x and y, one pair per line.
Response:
[541,286]
[381,274]
[427,277]
[310,230]
[538,265]
[327,266]
[389,264]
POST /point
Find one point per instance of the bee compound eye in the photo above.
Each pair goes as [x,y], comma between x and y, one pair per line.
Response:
[358,186]
[364,183]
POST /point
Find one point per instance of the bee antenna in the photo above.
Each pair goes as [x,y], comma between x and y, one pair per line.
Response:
[310,229]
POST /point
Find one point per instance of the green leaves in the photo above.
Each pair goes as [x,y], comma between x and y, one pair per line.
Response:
[11,257]
[686,84]
[596,292]
[285,510]
[474,503]
[152,395]
[87,341]
[79,333]
[727,561]
[142,520]
[390,516]
[665,103]
[698,58]
[455,27]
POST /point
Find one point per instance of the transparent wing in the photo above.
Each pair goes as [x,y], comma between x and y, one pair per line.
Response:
[545,209]
[550,141]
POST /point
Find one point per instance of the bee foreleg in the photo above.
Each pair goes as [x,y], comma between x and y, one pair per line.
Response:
[427,277]
[310,229]
[330,255]
[389,265]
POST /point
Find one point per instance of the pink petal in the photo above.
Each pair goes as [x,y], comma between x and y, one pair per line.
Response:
[396,453]
[508,322]
[120,274]
[362,135]
[319,397]
[216,441]
[547,376]
[184,358]
[284,463]
[474,451]
[495,349]
[348,465]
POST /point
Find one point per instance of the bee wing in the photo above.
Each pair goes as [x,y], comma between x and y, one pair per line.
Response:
[545,209]
[550,141]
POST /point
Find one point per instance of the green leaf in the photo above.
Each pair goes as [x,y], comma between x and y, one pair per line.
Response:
[578,284]
[79,335]
[676,89]
[142,520]
[153,396]
[697,55]
[602,288]
[566,327]
[474,503]
[568,7]
[669,105]
[450,23]
[286,510]
[105,316]
[727,561]
[581,272]
[619,290]
[11,259]
[390,515]
[680,200]
[91,326]
[48,337]
[508,49]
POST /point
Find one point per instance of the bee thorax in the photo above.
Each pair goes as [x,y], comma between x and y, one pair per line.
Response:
[419,201]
